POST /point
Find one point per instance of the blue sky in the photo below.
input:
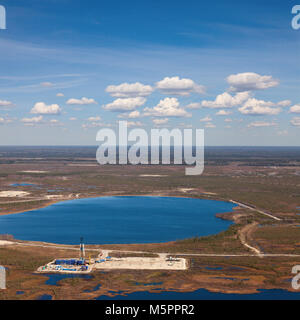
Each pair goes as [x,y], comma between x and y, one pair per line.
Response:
[69,68]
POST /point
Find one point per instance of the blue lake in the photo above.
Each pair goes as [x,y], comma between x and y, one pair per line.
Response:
[45,297]
[110,220]
[54,278]
[202,294]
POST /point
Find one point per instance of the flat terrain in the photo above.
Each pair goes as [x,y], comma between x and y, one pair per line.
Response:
[256,252]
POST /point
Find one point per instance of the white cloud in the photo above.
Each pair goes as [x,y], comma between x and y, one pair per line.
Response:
[226,100]
[134,114]
[3,121]
[60,94]
[73,119]
[250,81]
[206,119]
[127,90]
[33,120]
[168,107]
[134,124]
[54,122]
[47,84]
[228,120]
[160,121]
[223,113]
[94,119]
[82,101]
[284,103]
[39,120]
[261,124]
[123,105]
[5,103]
[42,108]
[295,121]
[259,107]
[186,125]
[96,124]
[93,125]
[177,86]
[295,108]
[194,105]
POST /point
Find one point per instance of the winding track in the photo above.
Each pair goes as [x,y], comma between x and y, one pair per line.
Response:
[257,210]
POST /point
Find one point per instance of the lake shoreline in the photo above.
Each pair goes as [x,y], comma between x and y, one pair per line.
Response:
[49,203]
[209,208]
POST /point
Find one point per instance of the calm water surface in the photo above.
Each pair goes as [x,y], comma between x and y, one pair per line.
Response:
[112,220]
[202,294]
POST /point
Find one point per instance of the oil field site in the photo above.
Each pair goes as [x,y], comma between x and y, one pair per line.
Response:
[246,242]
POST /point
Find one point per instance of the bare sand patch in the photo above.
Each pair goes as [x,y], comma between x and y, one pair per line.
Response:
[34,171]
[186,189]
[152,175]
[5,243]
[139,263]
[12,194]
[55,196]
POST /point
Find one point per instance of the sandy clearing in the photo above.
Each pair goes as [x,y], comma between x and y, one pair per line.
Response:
[34,171]
[12,194]
[186,189]
[245,233]
[152,175]
[55,196]
[138,263]
[5,243]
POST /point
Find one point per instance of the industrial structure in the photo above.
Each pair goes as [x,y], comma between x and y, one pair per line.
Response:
[105,262]
[82,251]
